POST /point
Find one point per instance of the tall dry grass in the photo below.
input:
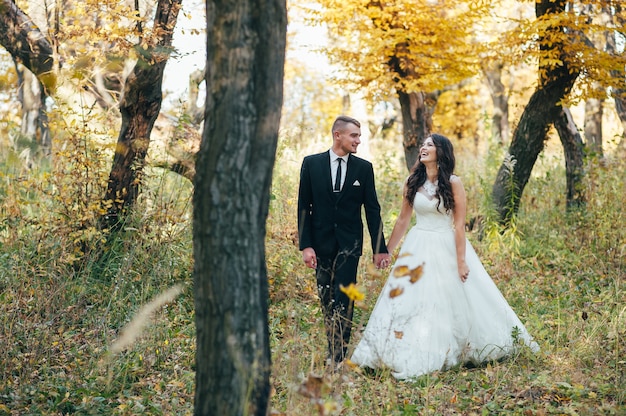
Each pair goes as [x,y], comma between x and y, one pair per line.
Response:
[63,307]
[561,271]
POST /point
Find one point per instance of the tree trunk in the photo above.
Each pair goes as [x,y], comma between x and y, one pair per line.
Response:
[417,121]
[619,94]
[593,126]
[30,49]
[25,42]
[620,106]
[574,157]
[530,134]
[196,112]
[245,57]
[500,119]
[140,106]
[32,96]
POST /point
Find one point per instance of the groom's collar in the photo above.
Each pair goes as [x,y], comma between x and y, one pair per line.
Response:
[334,156]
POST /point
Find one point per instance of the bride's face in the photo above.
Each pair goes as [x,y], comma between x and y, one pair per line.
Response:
[428,151]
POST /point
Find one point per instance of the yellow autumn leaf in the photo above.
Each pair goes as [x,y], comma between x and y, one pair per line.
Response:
[401,271]
[397,291]
[373,271]
[352,292]
[416,273]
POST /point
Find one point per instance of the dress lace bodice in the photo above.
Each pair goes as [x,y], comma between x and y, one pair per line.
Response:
[428,217]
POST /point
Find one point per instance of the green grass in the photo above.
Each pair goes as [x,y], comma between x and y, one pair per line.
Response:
[62,308]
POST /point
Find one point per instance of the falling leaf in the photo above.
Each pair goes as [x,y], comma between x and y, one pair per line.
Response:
[373,271]
[398,334]
[416,273]
[401,271]
[352,292]
[396,291]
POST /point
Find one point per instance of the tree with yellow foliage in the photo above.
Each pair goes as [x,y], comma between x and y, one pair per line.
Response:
[559,41]
[415,48]
[97,43]
[420,48]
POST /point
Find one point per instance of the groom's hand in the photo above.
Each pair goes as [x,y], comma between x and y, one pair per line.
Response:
[309,257]
[382,260]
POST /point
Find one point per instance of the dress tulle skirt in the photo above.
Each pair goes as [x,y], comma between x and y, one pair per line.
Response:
[427,319]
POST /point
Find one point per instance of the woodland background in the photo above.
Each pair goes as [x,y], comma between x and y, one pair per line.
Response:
[96,250]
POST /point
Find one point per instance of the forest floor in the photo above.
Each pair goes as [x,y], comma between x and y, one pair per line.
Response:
[63,308]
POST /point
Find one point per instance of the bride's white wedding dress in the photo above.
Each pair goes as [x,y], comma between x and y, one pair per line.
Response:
[426,318]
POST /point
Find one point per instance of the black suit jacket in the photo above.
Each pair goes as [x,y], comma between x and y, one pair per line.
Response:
[327,221]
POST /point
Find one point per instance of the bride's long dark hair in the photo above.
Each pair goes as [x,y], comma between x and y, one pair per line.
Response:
[445,162]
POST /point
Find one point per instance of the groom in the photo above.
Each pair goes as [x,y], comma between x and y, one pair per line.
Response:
[334,186]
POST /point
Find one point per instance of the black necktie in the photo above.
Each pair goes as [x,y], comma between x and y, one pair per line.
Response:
[338,178]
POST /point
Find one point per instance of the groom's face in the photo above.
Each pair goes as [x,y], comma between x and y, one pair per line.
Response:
[347,139]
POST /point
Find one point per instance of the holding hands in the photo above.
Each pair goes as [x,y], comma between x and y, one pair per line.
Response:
[382,260]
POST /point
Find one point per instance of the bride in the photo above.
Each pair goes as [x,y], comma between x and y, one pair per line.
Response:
[439,307]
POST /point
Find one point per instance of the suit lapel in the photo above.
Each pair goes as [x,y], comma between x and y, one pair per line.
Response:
[326,172]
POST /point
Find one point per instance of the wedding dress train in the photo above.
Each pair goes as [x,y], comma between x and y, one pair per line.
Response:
[426,318]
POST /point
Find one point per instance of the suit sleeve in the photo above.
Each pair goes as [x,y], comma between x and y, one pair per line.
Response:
[305,205]
[372,214]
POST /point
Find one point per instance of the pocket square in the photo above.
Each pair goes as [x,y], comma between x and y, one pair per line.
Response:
[356,183]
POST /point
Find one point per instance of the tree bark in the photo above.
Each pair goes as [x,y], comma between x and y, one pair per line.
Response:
[574,158]
[528,140]
[500,119]
[25,42]
[139,107]
[34,63]
[593,126]
[32,96]
[619,94]
[620,107]
[196,112]
[245,56]
[417,121]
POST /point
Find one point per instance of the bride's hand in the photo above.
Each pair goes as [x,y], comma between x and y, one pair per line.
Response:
[463,271]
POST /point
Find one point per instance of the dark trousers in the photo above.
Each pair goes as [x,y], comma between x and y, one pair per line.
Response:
[331,274]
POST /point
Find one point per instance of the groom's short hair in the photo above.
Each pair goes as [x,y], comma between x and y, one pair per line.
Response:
[341,121]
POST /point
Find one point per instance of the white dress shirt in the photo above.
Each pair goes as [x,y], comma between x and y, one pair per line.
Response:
[333,167]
